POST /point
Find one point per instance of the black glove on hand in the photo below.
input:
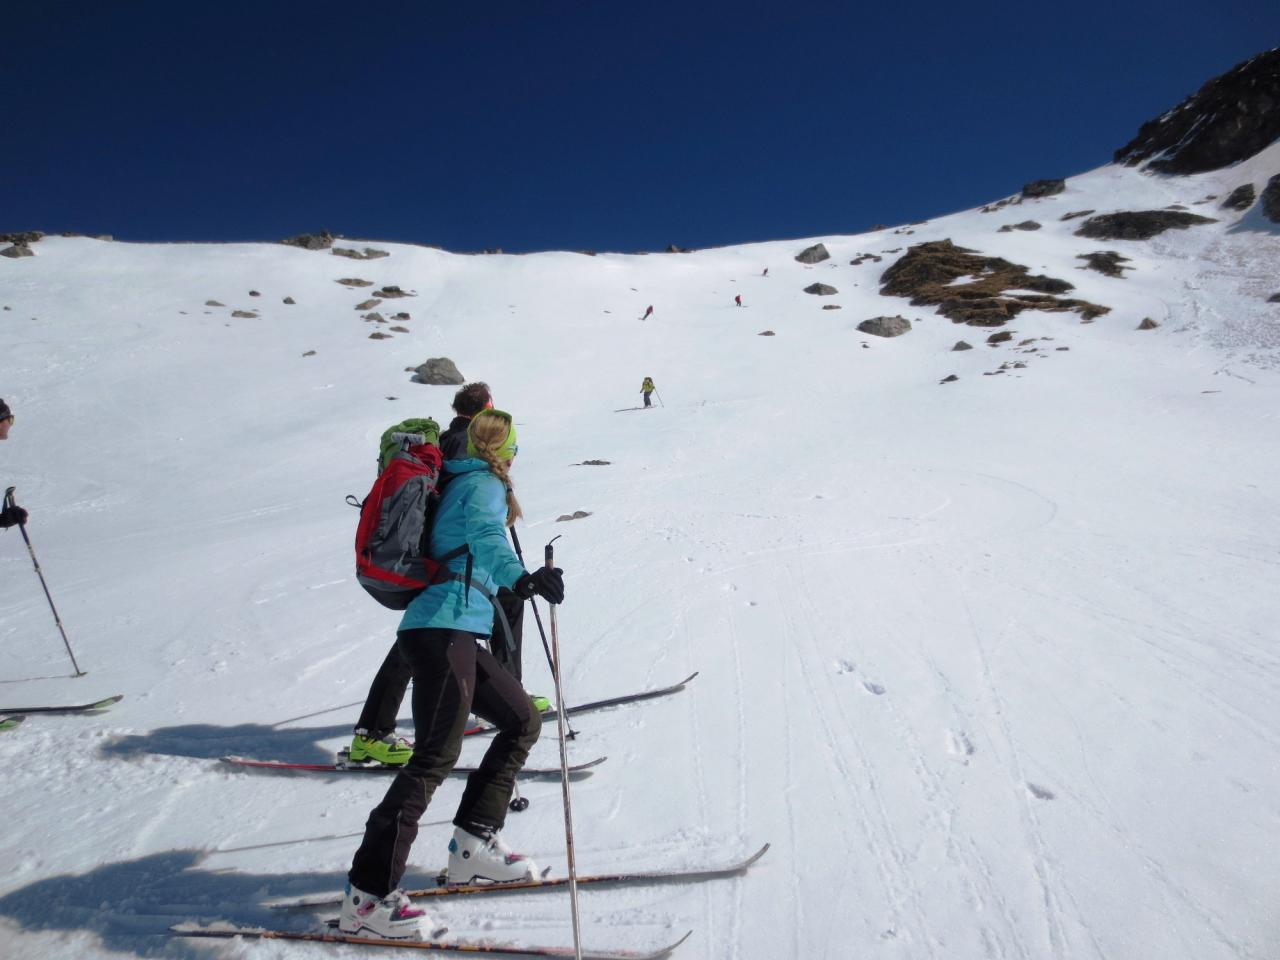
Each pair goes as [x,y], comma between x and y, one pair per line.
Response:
[546,582]
[15,514]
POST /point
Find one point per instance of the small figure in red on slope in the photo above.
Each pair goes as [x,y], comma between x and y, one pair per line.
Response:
[647,313]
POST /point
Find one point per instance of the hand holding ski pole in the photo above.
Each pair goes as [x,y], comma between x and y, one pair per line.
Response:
[561,725]
[9,506]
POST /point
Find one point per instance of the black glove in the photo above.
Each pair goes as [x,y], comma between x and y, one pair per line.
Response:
[546,582]
[15,514]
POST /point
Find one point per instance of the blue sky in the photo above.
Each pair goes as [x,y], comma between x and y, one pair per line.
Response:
[572,125]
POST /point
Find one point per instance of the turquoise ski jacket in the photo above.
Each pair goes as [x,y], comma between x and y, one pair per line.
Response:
[472,513]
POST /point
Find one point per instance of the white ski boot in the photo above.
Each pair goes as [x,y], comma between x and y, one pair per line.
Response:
[392,917]
[475,859]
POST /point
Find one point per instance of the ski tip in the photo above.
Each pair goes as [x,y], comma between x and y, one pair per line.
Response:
[105,702]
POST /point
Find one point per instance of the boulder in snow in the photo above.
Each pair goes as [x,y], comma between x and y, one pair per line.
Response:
[576,515]
[821,289]
[815,254]
[1241,198]
[17,250]
[961,345]
[1271,198]
[1004,336]
[367,304]
[354,282]
[438,371]
[886,326]
[1147,324]
[1024,225]
[1107,262]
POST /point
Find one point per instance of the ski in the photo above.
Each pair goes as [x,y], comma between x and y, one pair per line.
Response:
[8,723]
[78,708]
[481,947]
[575,770]
[639,877]
[598,704]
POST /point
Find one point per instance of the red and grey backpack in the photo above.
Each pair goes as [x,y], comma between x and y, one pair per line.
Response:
[394,533]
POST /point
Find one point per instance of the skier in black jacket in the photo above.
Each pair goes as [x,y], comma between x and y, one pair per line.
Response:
[375,734]
[10,516]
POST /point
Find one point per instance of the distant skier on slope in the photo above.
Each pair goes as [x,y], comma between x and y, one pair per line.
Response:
[13,515]
[766,272]
[738,300]
[375,733]
[454,675]
[647,388]
[648,312]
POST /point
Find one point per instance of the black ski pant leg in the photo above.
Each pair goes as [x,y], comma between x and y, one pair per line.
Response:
[386,694]
[501,700]
[646,401]
[444,683]
[512,605]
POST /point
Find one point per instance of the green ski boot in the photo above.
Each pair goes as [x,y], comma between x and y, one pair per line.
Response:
[541,704]
[390,751]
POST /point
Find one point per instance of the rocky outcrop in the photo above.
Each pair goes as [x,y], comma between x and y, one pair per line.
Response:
[1271,199]
[886,326]
[1024,225]
[1107,262]
[354,282]
[821,290]
[311,241]
[1241,198]
[1229,119]
[16,251]
[368,254]
[1138,224]
[815,254]
[22,238]
[1043,188]
[390,292]
[438,370]
[993,290]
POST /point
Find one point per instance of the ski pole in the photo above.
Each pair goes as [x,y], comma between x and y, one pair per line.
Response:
[660,403]
[22,527]
[564,765]
[515,541]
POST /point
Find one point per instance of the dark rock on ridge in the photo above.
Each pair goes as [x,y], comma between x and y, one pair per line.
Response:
[22,237]
[1138,224]
[1024,225]
[1229,119]
[311,241]
[1043,188]
[16,251]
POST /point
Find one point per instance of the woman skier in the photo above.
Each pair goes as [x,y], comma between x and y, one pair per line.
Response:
[441,638]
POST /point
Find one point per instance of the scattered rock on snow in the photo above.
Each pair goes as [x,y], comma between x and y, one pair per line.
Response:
[1241,198]
[213,303]
[949,379]
[1147,324]
[438,370]
[928,274]
[367,304]
[1138,224]
[254,293]
[244,314]
[390,292]
[576,515]
[22,237]
[1003,336]
[770,333]
[1077,213]
[815,254]
[309,353]
[1274,298]
[961,345]
[832,306]
[368,254]
[374,317]
[16,251]
[354,282]
[290,301]
[592,463]
[398,329]
[1106,262]
[821,289]
[379,335]
[1043,188]
[1024,225]
[886,326]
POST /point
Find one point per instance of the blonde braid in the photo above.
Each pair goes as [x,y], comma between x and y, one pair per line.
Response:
[488,431]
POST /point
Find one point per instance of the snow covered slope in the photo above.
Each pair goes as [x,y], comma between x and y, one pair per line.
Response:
[992,663]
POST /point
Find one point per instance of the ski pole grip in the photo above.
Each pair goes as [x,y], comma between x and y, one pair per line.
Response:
[549,552]
[9,501]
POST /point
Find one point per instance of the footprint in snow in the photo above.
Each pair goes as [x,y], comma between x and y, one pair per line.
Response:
[959,745]
[875,688]
[845,666]
[1039,792]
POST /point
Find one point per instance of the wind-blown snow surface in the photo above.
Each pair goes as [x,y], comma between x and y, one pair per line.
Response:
[992,664]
